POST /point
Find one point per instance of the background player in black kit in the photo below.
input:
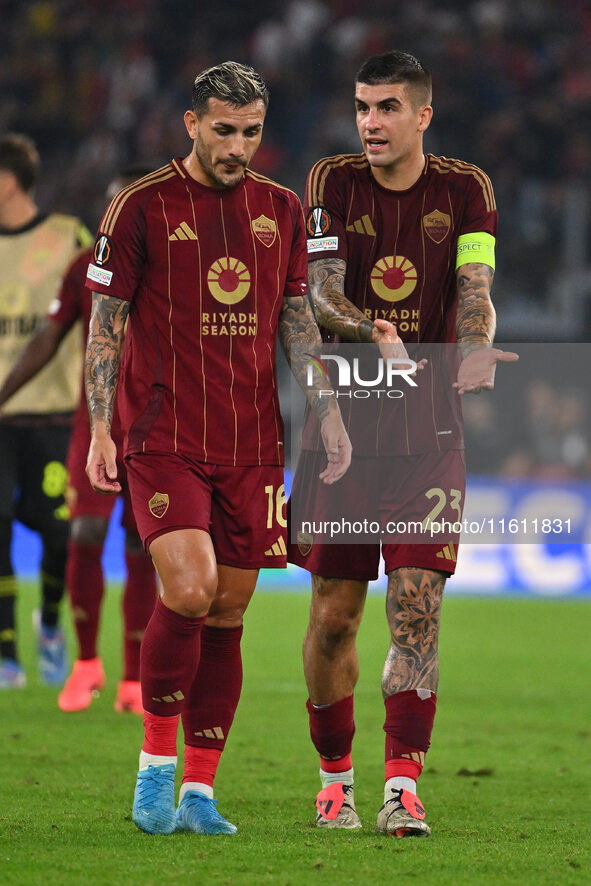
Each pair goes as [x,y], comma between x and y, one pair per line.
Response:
[35,251]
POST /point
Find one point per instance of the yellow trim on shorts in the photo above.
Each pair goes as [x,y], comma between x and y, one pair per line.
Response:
[478,247]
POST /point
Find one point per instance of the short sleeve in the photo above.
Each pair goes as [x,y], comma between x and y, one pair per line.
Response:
[324,210]
[118,255]
[481,209]
[296,283]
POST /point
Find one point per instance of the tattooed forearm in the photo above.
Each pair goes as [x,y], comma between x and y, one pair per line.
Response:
[103,356]
[476,319]
[326,278]
[298,333]
[413,608]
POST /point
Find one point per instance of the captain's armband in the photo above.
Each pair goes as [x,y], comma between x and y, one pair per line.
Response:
[478,247]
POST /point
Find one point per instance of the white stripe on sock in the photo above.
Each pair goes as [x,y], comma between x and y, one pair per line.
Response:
[154,760]
[397,783]
[334,777]
[196,786]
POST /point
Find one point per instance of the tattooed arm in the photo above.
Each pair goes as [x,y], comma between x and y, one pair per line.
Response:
[298,333]
[476,319]
[326,279]
[475,329]
[101,372]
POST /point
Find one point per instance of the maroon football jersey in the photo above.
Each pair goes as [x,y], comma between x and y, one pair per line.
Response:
[74,303]
[206,271]
[400,248]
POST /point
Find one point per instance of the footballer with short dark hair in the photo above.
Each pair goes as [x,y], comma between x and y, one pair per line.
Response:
[405,256]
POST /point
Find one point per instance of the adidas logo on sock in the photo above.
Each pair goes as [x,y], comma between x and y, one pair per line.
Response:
[216,733]
[168,699]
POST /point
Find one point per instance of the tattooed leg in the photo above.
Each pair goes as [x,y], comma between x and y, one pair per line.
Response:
[413,606]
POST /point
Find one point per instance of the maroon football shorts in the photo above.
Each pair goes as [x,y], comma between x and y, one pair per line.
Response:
[82,500]
[242,508]
[393,494]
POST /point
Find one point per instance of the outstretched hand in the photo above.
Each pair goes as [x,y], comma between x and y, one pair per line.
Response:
[101,465]
[337,445]
[477,369]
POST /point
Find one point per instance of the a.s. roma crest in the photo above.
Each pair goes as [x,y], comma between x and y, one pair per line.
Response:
[437,225]
[158,504]
[265,230]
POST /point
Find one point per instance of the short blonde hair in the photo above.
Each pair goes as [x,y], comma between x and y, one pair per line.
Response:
[230,82]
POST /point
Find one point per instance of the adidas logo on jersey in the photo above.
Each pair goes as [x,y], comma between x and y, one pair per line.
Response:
[183,232]
[363,225]
[447,553]
[278,549]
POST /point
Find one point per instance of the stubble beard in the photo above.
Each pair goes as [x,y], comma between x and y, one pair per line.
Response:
[210,171]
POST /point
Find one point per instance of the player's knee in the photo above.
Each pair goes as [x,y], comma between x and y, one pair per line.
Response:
[191,602]
[227,610]
[233,594]
[191,597]
[407,585]
[336,611]
[226,618]
[333,626]
[89,530]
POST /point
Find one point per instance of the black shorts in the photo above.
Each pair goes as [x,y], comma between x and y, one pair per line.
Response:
[33,476]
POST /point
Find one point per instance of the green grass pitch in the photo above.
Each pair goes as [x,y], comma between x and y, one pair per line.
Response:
[506,785]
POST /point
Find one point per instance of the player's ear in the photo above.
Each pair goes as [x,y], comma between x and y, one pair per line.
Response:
[425,115]
[191,121]
[8,182]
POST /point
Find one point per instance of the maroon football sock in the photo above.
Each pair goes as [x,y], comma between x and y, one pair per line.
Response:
[409,723]
[332,728]
[84,580]
[215,692]
[138,602]
[169,658]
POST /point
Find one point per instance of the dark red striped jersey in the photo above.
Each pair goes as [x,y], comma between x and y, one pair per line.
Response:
[401,249]
[206,272]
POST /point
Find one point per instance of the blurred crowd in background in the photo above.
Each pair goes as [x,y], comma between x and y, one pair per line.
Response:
[104,83]
[541,431]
